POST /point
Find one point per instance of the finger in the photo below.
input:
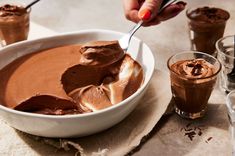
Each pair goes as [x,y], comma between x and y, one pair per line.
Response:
[131,5]
[133,16]
[131,8]
[151,5]
[171,11]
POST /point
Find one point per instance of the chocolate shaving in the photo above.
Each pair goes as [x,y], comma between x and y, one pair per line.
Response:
[199,133]
[209,138]
[188,124]
[197,69]
[192,131]
[191,135]
[190,65]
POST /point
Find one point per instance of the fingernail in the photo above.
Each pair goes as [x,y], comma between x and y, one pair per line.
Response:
[181,4]
[145,14]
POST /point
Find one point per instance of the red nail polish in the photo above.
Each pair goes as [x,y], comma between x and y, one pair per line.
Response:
[145,14]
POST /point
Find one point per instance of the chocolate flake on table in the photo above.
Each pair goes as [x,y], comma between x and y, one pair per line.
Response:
[199,133]
[188,124]
[192,131]
[191,135]
[208,139]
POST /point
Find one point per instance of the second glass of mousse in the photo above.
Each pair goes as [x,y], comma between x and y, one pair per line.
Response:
[193,76]
[14,23]
[206,26]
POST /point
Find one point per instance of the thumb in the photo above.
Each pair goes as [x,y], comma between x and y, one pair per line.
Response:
[149,9]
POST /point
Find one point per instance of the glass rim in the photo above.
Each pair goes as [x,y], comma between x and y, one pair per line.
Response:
[220,51]
[196,7]
[195,52]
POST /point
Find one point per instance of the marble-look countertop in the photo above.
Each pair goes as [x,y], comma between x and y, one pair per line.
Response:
[170,37]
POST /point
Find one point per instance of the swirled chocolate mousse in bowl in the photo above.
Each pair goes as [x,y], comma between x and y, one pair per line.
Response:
[206,26]
[193,76]
[73,79]
[73,84]
[14,23]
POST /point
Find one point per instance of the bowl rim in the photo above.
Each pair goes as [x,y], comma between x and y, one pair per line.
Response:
[69,116]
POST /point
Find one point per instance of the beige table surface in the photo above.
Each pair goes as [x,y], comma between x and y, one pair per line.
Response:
[168,137]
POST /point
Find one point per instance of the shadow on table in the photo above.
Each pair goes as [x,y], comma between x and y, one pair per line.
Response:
[171,136]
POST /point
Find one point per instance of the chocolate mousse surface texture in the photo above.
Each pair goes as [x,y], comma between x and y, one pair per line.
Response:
[209,15]
[100,53]
[193,69]
[12,10]
[207,25]
[55,82]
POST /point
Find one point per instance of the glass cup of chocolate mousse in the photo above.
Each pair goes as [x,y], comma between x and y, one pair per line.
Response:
[14,23]
[193,76]
[206,26]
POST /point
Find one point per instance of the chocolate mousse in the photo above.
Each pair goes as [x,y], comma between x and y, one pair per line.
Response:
[14,23]
[57,81]
[192,82]
[206,26]
[100,53]
[105,86]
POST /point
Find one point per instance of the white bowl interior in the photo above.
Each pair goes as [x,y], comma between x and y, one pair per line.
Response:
[138,50]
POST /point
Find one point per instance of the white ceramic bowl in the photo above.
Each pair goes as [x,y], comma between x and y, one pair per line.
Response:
[80,124]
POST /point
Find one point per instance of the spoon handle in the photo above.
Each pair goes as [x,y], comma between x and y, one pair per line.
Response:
[30,4]
[165,3]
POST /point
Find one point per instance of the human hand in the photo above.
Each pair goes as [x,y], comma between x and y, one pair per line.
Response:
[135,11]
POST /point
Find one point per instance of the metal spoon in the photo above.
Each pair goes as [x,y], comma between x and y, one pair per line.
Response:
[125,40]
[31,4]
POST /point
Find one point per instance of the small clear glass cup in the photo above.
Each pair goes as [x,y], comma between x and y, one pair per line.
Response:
[14,28]
[230,103]
[191,95]
[203,35]
[226,55]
